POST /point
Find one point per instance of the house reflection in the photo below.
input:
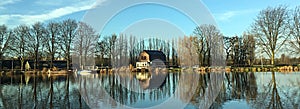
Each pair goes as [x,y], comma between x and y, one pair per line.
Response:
[149,80]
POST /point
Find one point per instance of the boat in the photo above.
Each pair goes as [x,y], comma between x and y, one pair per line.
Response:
[84,72]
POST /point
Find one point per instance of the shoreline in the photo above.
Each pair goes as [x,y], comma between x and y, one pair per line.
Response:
[226,69]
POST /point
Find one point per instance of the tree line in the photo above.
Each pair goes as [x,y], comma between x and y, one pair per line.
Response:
[274,30]
[44,41]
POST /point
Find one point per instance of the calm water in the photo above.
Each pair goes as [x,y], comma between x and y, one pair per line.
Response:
[152,90]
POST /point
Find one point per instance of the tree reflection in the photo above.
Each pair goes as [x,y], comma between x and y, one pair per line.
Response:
[275,102]
[20,93]
[121,89]
[277,96]
[237,85]
[270,98]
[251,89]
[34,92]
[67,100]
[51,92]
[40,92]
[207,89]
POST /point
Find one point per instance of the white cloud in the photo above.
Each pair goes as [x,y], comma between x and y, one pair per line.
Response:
[53,14]
[227,16]
[17,19]
[30,19]
[4,18]
[5,2]
[50,2]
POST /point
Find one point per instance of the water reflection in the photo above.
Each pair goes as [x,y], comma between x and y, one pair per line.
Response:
[148,90]
[39,91]
[150,80]
[268,90]
[135,90]
[275,95]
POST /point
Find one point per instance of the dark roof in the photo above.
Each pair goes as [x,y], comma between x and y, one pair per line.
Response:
[156,54]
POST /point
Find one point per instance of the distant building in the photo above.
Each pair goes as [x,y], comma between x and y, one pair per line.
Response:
[149,58]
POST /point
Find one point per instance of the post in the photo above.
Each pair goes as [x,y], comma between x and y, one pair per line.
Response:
[22,62]
[261,60]
[12,64]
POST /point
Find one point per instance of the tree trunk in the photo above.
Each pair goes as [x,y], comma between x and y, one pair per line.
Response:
[272,58]
[68,57]
[52,50]
[35,60]
[1,59]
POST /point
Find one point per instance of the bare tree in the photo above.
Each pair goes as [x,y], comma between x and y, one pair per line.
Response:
[111,47]
[68,33]
[174,54]
[205,35]
[85,42]
[5,41]
[199,43]
[295,31]
[271,30]
[21,37]
[240,50]
[37,35]
[101,50]
[187,52]
[131,47]
[5,38]
[227,46]
[53,29]
[120,51]
[249,46]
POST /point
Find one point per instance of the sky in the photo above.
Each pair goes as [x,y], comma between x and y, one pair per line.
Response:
[233,17]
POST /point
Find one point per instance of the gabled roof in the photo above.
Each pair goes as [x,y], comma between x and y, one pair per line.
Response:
[156,54]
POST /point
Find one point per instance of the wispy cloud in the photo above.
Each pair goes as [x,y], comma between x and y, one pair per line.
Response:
[228,15]
[50,2]
[13,20]
[5,2]
[30,19]
[4,18]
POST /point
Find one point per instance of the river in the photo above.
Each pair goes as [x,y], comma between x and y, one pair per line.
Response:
[151,90]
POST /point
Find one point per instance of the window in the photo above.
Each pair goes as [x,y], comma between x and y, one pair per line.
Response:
[144,58]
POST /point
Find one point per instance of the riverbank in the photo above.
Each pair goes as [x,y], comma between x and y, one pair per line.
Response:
[226,69]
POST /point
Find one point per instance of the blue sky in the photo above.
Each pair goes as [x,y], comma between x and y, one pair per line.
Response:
[233,17]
